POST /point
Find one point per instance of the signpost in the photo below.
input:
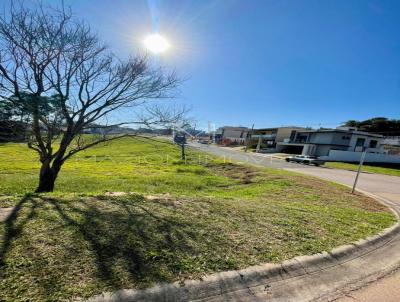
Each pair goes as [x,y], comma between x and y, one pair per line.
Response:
[181,141]
[359,170]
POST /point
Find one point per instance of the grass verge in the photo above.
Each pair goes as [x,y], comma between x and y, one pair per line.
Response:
[392,171]
[183,221]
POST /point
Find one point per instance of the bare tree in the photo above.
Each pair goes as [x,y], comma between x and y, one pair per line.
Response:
[65,80]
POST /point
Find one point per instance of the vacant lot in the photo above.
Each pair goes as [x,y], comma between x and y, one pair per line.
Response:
[394,171]
[182,221]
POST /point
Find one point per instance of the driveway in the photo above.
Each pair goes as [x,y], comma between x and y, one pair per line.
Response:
[386,289]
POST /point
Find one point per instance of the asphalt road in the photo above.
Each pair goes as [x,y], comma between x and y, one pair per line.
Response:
[382,186]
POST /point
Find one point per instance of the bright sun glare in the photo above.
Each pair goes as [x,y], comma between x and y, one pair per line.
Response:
[156,43]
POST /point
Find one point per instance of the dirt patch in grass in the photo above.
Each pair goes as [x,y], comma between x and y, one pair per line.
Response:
[4,213]
[243,174]
[164,199]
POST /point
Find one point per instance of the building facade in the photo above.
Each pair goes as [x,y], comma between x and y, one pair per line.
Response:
[228,135]
[391,144]
[268,139]
[321,142]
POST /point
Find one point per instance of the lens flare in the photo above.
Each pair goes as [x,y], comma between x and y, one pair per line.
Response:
[156,43]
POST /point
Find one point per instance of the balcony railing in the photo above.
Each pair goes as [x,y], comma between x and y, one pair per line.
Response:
[266,136]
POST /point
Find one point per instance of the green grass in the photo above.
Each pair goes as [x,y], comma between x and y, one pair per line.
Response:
[183,221]
[365,168]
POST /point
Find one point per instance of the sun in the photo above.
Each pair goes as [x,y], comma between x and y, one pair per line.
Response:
[156,43]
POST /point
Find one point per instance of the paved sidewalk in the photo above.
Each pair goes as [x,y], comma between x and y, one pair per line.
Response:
[384,290]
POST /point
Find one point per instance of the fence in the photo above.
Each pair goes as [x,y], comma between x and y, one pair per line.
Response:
[349,156]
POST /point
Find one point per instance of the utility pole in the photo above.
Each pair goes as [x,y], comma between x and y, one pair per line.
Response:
[359,170]
[249,138]
[211,135]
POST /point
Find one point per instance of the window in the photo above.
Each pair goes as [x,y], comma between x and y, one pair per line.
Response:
[360,142]
[373,143]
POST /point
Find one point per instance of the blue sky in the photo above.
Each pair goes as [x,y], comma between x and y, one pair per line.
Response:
[268,62]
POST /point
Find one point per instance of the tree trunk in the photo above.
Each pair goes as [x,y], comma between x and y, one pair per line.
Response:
[47,178]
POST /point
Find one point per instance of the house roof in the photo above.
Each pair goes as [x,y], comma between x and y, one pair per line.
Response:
[276,128]
[343,131]
[234,128]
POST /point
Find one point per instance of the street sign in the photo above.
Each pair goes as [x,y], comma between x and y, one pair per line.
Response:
[180,139]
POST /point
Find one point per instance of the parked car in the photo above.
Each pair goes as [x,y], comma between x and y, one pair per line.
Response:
[203,141]
[305,159]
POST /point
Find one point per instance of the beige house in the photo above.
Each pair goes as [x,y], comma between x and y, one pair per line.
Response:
[268,139]
[228,135]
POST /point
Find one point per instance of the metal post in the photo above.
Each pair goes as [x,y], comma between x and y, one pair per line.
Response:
[359,170]
[258,144]
[183,151]
[248,139]
[211,134]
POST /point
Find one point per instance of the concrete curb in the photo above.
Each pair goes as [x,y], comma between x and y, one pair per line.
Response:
[232,285]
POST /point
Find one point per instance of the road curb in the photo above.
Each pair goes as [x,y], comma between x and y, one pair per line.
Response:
[240,282]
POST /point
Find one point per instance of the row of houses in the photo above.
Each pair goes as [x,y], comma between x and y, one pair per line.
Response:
[340,144]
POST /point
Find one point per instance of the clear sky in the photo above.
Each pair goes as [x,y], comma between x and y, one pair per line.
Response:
[268,62]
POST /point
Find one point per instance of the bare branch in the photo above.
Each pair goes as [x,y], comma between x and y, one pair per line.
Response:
[64,80]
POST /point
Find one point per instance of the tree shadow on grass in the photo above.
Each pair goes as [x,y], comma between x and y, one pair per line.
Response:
[14,228]
[57,249]
[130,244]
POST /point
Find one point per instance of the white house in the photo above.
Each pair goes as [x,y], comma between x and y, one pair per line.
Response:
[341,144]
[391,144]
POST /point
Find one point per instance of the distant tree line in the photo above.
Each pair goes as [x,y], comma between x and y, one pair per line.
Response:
[15,116]
[378,125]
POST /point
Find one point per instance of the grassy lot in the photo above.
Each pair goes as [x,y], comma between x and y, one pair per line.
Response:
[366,168]
[183,221]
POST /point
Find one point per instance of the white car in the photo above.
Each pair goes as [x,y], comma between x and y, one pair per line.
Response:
[305,159]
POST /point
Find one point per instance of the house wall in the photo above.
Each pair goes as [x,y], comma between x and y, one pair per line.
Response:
[284,133]
[343,139]
[391,140]
[231,135]
[308,150]
[324,150]
[349,156]
[320,150]
[366,143]
[391,149]
[320,138]
[234,133]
